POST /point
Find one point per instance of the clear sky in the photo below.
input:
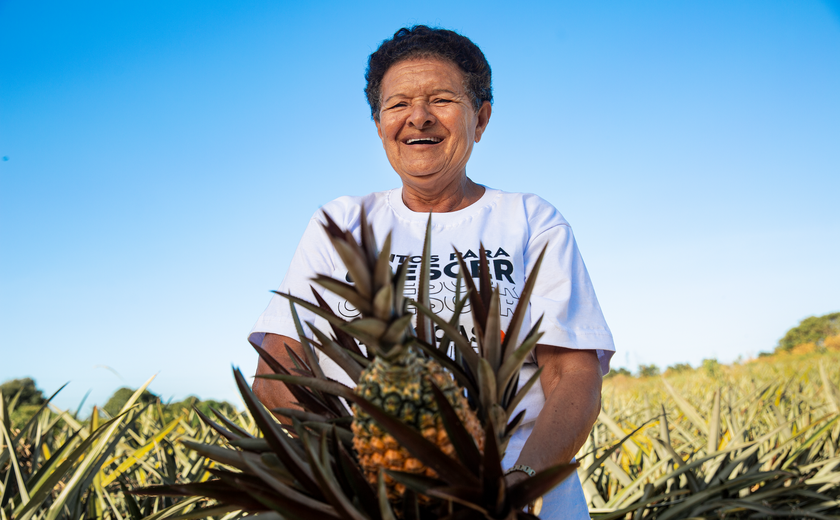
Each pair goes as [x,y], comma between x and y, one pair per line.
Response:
[160,160]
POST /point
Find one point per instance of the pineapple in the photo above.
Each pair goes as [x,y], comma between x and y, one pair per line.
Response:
[398,380]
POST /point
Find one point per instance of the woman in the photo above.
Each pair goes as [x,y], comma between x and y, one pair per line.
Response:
[430,96]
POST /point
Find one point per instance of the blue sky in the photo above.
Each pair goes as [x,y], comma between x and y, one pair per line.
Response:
[161,159]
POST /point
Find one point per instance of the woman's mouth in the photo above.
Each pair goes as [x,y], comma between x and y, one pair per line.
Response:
[424,140]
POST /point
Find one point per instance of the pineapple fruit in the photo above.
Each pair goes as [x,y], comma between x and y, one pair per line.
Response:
[398,380]
[402,389]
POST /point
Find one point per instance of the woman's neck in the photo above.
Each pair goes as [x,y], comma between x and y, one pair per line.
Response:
[458,195]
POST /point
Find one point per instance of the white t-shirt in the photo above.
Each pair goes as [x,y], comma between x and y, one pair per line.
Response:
[513,227]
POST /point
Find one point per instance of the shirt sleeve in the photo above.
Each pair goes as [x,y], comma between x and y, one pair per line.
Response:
[564,296]
[313,256]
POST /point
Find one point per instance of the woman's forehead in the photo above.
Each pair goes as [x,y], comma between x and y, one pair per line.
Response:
[430,74]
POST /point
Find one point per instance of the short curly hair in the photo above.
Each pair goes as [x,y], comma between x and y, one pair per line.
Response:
[421,41]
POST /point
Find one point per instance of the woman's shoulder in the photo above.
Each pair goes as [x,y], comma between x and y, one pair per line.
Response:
[346,211]
[538,212]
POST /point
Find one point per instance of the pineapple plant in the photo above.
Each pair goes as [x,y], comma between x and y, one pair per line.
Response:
[398,379]
[424,433]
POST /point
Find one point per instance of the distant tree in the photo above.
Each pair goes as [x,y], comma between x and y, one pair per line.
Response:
[621,371]
[203,406]
[648,370]
[814,329]
[29,393]
[711,367]
[121,396]
[679,367]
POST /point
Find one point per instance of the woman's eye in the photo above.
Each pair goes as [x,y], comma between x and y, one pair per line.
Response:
[442,101]
[398,105]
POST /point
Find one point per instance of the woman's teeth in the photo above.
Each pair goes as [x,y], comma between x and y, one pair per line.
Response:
[425,140]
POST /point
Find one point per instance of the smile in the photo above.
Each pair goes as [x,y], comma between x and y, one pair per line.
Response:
[424,140]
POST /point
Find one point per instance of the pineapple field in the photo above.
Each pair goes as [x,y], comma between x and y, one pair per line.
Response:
[423,433]
[759,440]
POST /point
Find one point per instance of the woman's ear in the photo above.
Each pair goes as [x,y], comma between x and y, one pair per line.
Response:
[482,119]
[378,128]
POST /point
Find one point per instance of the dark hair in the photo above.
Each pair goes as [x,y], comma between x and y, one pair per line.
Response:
[421,41]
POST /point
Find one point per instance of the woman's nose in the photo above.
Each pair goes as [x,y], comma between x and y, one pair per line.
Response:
[420,116]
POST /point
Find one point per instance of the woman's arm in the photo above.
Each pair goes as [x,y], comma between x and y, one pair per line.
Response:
[274,394]
[571,382]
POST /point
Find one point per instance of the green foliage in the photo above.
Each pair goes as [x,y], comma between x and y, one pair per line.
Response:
[24,395]
[712,368]
[621,371]
[204,407]
[29,393]
[813,329]
[678,368]
[121,396]
[648,370]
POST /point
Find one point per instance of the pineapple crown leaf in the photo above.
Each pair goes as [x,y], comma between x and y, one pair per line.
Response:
[357,482]
[490,342]
[384,506]
[312,401]
[511,406]
[513,424]
[382,273]
[417,482]
[306,398]
[343,339]
[399,287]
[493,478]
[451,331]
[477,307]
[486,384]
[456,314]
[464,495]
[368,240]
[359,259]
[278,439]
[338,354]
[319,457]
[300,415]
[397,330]
[326,386]
[484,283]
[308,352]
[516,321]
[295,501]
[346,291]
[383,303]
[425,330]
[461,439]
[327,314]
[513,363]
[448,363]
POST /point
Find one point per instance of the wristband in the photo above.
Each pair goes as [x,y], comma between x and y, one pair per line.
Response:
[535,506]
[528,470]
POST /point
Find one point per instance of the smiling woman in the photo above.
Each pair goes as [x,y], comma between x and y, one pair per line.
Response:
[430,96]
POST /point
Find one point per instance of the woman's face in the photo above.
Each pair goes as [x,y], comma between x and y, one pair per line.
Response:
[427,123]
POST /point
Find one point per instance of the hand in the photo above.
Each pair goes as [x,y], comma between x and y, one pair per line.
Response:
[514,478]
